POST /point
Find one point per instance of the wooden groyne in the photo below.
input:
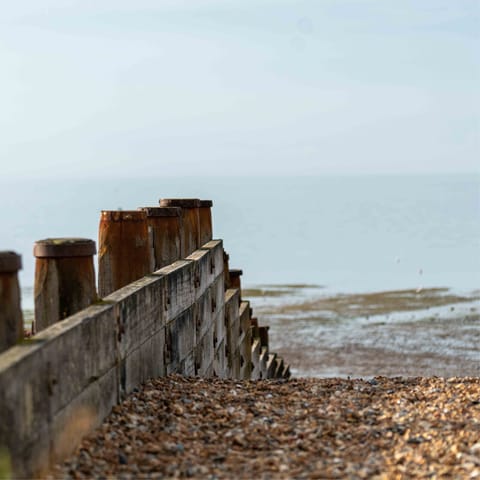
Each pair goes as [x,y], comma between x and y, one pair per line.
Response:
[167,302]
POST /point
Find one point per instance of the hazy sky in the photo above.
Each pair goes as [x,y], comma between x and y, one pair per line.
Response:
[171,87]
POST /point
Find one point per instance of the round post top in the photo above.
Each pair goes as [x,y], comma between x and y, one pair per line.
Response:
[10,262]
[64,247]
[162,211]
[180,202]
[235,272]
[123,215]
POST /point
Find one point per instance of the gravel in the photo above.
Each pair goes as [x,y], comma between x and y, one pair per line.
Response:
[380,428]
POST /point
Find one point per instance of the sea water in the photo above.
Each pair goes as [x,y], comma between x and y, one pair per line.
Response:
[327,239]
[347,233]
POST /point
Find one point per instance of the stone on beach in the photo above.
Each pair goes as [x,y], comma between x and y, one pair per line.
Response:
[303,428]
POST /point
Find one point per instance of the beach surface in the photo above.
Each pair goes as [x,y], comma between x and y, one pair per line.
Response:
[396,395]
[382,428]
[412,332]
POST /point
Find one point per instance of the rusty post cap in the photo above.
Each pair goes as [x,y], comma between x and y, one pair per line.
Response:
[64,247]
[235,272]
[162,211]
[206,203]
[10,262]
[123,215]
[180,202]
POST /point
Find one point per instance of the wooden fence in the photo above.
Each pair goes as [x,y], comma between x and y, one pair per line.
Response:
[169,304]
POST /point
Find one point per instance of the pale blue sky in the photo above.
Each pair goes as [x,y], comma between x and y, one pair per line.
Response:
[171,87]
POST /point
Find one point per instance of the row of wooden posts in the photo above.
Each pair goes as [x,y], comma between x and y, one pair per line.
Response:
[132,244]
[180,311]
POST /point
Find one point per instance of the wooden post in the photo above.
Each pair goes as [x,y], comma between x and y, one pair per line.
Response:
[165,226]
[124,249]
[226,271]
[235,275]
[11,319]
[263,331]
[190,221]
[235,282]
[64,278]
[205,215]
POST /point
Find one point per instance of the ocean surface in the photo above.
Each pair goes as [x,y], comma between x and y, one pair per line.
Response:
[343,235]
[359,233]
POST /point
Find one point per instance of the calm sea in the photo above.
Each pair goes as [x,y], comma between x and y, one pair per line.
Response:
[347,233]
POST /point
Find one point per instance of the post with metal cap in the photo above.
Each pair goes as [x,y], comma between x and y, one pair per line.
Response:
[165,228]
[11,319]
[124,249]
[205,218]
[64,278]
[190,222]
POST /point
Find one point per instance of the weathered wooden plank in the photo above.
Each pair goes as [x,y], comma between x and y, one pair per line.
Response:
[208,266]
[187,365]
[204,353]
[54,369]
[217,292]
[85,413]
[140,312]
[245,341]
[220,326]
[180,341]
[209,369]
[279,367]
[256,367]
[244,314]
[201,271]
[82,348]
[246,362]
[271,365]
[206,311]
[216,259]
[263,362]
[25,409]
[232,323]
[220,367]
[145,362]
[179,288]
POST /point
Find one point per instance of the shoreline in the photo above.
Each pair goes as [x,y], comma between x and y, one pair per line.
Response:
[434,332]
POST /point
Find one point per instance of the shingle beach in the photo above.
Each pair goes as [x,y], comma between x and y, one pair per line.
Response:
[383,428]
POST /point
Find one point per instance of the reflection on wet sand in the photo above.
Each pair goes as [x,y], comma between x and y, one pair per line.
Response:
[403,332]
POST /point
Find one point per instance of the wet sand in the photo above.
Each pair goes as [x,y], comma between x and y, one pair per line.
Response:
[432,332]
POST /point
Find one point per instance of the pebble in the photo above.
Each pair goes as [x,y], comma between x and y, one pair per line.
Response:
[380,428]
